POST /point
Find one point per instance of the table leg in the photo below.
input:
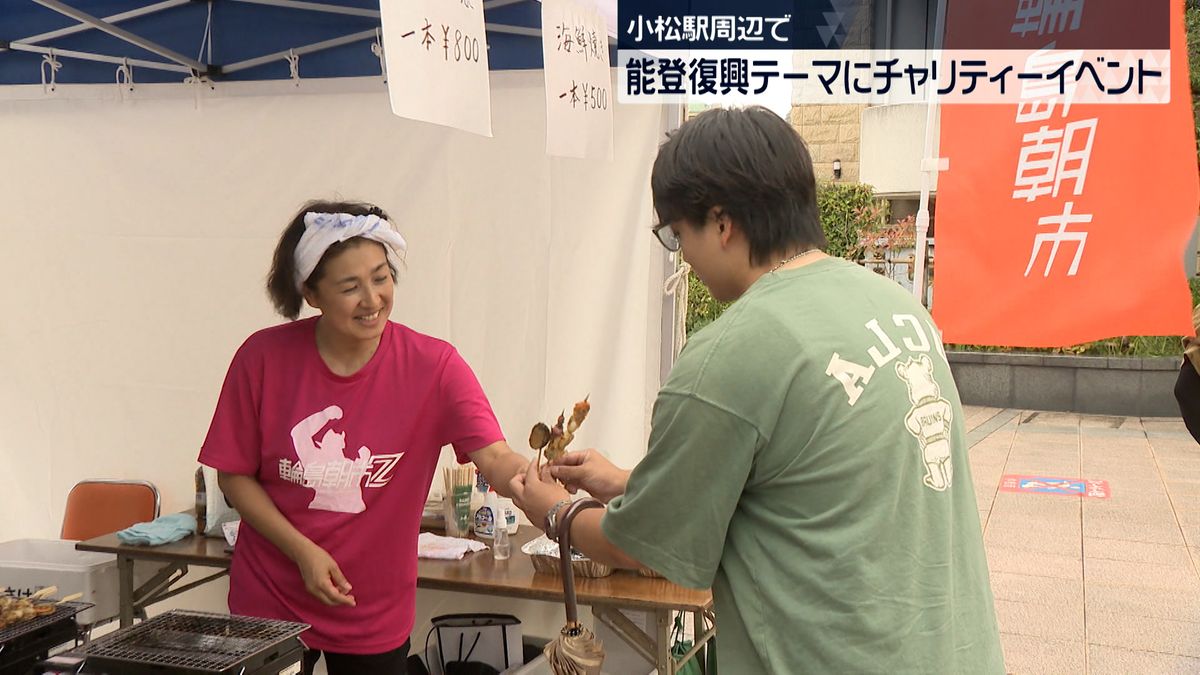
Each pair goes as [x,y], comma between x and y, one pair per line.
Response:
[628,631]
[125,571]
[662,629]
[654,645]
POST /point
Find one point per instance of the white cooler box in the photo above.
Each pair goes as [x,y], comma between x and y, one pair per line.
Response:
[36,563]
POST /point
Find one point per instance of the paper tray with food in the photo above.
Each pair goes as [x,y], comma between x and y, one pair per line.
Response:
[544,554]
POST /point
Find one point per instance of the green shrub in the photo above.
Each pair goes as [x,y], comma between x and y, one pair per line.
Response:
[703,308]
[1192,23]
[847,210]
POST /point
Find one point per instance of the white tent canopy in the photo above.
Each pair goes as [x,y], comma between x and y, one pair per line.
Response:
[142,233]
[138,235]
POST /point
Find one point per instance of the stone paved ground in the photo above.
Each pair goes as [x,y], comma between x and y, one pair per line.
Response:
[1089,585]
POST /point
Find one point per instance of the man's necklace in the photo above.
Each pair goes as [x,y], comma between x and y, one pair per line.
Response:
[799,255]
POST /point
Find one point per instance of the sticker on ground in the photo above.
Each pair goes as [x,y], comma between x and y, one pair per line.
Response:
[1074,487]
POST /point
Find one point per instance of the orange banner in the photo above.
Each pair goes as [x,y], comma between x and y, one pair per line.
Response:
[1059,224]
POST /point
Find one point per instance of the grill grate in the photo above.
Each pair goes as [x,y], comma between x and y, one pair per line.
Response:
[197,640]
[61,611]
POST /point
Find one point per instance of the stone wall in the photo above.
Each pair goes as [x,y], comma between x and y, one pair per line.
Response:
[1130,386]
[831,132]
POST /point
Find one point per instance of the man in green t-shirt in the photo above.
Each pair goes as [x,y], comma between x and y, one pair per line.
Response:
[807,456]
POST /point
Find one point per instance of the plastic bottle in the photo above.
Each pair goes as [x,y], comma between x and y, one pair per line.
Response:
[510,515]
[488,516]
[501,547]
[478,498]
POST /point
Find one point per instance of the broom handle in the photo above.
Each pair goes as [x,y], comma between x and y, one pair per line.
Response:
[564,554]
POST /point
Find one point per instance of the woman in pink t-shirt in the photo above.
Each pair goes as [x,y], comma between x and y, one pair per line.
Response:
[326,436]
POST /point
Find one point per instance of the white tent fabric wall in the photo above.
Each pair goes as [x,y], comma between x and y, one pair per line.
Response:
[137,235]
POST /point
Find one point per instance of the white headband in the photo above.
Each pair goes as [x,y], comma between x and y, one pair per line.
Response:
[322,230]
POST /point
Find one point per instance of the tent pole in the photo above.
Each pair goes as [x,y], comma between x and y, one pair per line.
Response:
[929,163]
[102,58]
[674,307]
[299,51]
[512,30]
[123,34]
[115,18]
[316,7]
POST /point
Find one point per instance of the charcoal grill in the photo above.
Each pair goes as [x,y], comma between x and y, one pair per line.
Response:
[23,644]
[181,642]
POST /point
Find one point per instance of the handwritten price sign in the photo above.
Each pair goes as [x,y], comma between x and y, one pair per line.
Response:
[436,54]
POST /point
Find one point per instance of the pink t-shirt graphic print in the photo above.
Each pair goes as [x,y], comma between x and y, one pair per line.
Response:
[348,461]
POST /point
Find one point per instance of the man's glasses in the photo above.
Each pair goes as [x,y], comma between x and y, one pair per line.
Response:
[666,236]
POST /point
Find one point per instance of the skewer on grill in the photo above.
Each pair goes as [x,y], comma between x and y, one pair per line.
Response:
[16,610]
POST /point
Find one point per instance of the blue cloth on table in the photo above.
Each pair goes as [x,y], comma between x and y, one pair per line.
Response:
[159,531]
